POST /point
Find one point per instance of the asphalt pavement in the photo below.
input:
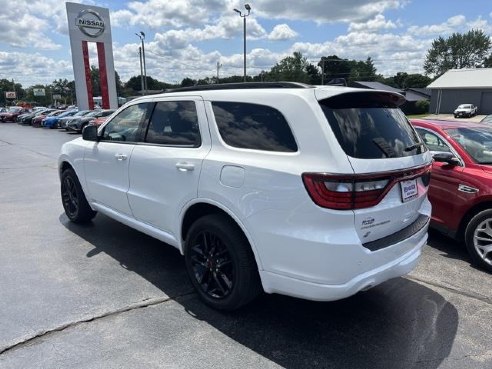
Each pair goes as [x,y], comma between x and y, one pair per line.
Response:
[105,296]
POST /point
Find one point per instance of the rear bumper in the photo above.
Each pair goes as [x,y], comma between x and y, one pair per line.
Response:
[287,285]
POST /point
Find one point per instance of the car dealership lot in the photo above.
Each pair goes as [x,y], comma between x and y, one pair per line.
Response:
[106,296]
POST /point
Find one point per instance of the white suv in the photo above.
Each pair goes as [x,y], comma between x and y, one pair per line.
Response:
[313,192]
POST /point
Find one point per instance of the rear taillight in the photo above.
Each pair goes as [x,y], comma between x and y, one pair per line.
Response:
[347,192]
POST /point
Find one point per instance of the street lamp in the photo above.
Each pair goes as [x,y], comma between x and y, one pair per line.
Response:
[141,35]
[244,15]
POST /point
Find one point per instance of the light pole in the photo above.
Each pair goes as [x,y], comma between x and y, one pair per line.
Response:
[244,15]
[141,35]
[141,70]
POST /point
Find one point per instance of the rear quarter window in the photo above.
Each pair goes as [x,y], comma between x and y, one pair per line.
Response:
[371,126]
[253,126]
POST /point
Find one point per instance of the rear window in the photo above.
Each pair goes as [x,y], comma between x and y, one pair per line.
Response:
[371,126]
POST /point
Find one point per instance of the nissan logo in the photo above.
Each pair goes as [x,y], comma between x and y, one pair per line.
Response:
[90,23]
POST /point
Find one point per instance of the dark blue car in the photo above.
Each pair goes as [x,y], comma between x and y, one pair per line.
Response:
[52,122]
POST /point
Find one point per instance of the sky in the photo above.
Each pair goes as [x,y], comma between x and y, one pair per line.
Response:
[187,38]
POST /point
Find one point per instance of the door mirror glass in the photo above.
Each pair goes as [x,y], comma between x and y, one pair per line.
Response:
[89,133]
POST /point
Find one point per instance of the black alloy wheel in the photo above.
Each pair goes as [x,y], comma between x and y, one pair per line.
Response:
[69,197]
[74,201]
[220,263]
[212,265]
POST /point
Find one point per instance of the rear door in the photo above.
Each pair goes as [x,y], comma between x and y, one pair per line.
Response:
[384,152]
[165,168]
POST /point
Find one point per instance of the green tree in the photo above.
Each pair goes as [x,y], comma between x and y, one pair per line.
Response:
[362,71]
[314,74]
[292,68]
[417,81]
[350,70]
[187,82]
[487,63]
[334,67]
[458,51]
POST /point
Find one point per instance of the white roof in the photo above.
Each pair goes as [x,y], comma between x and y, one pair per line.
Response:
[464,78]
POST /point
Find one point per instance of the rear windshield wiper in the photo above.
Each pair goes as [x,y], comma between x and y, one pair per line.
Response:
[415,146]
[384,147]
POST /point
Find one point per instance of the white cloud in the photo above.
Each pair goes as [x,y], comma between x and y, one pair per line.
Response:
[453,24]
[325,10]
[156,14]
[36,67]
[376,24]
[282,32]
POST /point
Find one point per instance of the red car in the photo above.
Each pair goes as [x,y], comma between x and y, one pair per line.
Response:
[461,183]
[12,114]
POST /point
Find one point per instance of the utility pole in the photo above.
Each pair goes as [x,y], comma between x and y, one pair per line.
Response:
[218,68]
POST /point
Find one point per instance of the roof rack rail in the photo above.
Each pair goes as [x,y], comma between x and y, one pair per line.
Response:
[240,86]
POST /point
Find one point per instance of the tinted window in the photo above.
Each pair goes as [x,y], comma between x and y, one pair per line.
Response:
[371,126]
[174,123]
[126,125]
[253,126]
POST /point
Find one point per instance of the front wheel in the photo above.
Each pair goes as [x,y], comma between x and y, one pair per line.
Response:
[220,263]
[478,239]
[73,199]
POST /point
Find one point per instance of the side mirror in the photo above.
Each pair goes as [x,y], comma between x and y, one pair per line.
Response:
[446,157]
[89,133]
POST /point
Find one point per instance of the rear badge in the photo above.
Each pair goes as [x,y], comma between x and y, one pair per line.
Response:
[370,222]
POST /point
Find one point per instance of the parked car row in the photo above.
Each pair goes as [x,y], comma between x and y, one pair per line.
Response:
[70,119]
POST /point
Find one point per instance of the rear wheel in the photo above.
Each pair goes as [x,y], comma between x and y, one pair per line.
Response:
[73,199]
[220,263]
[478,239]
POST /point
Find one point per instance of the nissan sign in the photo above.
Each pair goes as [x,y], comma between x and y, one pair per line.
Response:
[90,23]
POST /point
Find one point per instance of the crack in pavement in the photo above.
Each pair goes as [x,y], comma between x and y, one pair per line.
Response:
[476,296]
[138,305]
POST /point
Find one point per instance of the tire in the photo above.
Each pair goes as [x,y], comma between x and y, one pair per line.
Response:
[478,241]
[220,263]
[74,201]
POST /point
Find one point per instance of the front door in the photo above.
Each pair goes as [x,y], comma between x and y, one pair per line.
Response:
[106,162]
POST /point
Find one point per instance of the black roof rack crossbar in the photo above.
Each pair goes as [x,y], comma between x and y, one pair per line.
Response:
[241,85]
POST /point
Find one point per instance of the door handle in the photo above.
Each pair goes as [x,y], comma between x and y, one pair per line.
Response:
[185,167]
[120,157]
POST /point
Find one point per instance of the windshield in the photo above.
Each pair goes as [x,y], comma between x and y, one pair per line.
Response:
[464,107]
[477,142]
[14,109]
